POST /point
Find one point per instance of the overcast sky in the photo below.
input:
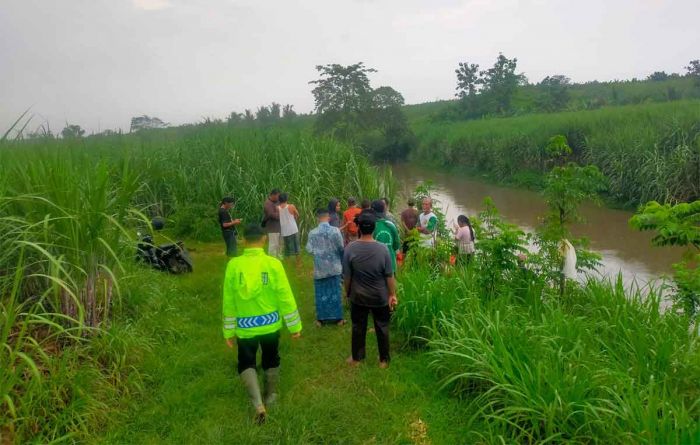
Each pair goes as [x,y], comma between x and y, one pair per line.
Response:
[97,63]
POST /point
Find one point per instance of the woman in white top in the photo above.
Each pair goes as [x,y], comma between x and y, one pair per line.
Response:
[464,235]
[289,230]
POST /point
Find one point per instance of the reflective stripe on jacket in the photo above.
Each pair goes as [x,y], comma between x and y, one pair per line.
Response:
[257,296]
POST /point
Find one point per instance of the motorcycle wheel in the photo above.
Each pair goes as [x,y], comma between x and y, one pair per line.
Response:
[177,265]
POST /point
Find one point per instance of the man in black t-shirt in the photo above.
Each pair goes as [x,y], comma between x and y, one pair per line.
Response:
[228,225]
[369,284]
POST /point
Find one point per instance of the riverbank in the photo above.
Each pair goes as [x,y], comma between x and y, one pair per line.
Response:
[647,151]
[623,249]
[191,393]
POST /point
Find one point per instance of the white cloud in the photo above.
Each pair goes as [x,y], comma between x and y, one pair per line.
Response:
[454,17]
[151,5]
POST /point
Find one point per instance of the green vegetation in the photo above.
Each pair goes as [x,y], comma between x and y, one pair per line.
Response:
[69,210]
[487,92]
[642,134]
[677,225]
[598,364]
[191,392]
[350,109]
[500,91]
[95,348]
[647,152]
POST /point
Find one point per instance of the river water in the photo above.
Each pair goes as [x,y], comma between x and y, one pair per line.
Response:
[624,250]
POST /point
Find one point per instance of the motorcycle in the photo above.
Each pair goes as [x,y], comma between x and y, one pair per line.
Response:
[172,257]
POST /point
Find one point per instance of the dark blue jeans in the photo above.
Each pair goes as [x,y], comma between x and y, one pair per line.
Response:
[230,240]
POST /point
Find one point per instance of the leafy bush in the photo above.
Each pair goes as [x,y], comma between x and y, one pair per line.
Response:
[677,225]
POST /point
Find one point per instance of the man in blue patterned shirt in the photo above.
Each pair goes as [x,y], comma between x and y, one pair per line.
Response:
[326,245]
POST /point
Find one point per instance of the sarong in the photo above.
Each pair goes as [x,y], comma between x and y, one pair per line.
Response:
[328,301]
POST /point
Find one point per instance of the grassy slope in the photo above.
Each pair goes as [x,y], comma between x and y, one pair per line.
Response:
[614,93]
[192,394]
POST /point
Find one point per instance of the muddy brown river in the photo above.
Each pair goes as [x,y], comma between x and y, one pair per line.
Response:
[624,250]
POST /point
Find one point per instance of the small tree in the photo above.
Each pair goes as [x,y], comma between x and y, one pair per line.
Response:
[500,83]
[350,109]
[555,92]
[499,245]
[385,97]
[248,116]
[288,112]
[557,150]
[234,118]
[72,132]
[658,76]
[263,115]
[341,88]
[487,91]
[275,111]
[146,123]
[566,187]
[693,70]
[677,225]
[467,80]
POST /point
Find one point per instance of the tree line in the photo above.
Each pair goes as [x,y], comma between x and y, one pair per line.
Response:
[492,91]
[349,108]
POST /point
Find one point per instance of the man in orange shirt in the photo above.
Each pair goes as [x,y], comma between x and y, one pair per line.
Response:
[351,232]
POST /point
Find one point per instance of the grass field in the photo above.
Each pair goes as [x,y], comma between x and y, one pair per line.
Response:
[191,393]
[69,213]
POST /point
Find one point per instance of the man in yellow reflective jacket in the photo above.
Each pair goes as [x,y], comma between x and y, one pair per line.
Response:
[257,299]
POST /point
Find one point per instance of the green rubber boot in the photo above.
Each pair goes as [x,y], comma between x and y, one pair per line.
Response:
[272,377]
[249,377]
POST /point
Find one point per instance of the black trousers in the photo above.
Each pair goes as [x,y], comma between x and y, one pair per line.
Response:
[381,316]
[230,240]
[248,350]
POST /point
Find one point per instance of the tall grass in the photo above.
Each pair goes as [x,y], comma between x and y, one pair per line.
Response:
[184,172]
[648,152]
[602,364]
[605,368]
[69,210]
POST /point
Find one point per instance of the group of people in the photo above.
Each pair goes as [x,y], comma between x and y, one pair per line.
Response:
[354,252]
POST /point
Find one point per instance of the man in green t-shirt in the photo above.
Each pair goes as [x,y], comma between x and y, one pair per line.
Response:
[427,223]
[385,231]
